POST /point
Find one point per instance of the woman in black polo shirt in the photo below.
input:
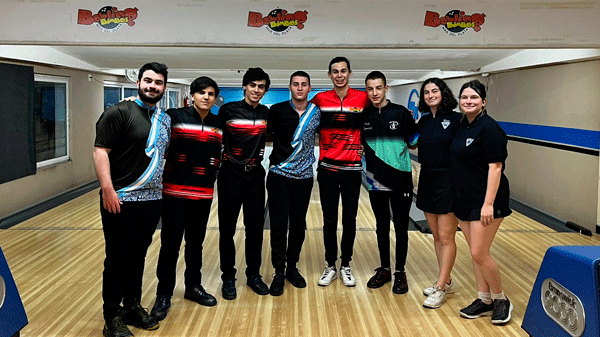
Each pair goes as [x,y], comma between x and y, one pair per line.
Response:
[436,186]
[477,154]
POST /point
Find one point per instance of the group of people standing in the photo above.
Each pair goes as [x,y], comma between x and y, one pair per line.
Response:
[135,140]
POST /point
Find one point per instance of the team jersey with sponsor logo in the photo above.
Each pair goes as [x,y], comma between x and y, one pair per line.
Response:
[194,154]
[341,122]
[245,132]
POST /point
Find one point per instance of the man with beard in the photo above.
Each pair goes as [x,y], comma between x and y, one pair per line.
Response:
[131,140]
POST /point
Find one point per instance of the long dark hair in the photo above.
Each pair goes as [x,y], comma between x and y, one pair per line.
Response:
[448,100]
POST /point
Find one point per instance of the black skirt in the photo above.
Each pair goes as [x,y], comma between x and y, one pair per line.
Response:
[436,191]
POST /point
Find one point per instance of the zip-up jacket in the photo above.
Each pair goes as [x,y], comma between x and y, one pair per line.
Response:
[194,154]
[245,132]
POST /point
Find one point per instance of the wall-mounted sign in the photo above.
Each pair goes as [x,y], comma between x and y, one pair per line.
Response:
[108,19]
[455,22]
[278,21]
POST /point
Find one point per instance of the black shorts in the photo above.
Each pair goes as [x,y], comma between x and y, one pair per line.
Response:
[470,213]
[436,191]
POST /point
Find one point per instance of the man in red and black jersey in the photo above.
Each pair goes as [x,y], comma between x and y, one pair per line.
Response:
[188,182]
[339,171]
[242,181]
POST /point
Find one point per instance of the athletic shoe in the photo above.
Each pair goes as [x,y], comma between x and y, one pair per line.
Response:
[161,307]
[200,296]
[139,318]
[277,284]
[256,283]
[228,289]
[400,283]
[347,278]
[449,289]
[502,310]
[116,328]
[477,309]
[381,277]
[293,275]
[329,274]
[436,299]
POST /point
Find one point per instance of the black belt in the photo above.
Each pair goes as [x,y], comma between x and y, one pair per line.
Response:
[244,167]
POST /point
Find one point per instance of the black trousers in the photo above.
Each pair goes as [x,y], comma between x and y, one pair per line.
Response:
[237,188]
[331,186]
[400,202]
[181,217]
[288,200]
[127,236]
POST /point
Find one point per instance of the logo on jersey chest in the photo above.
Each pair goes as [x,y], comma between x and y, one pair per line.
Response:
[469,141]
[393,125]
[445,123]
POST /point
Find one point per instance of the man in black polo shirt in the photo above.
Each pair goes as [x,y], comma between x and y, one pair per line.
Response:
[293,124]
[131,140]
[242,181]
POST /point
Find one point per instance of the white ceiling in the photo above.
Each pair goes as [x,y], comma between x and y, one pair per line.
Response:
[227,65]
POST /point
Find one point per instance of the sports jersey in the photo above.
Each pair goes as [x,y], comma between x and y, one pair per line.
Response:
[341,123]
[387,132]
[245,132]
[194,154]
[476,145]
[137,136]
[435,135]
[293,152]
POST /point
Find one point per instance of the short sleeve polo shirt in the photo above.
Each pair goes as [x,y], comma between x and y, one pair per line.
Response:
[435,135]
[474,146]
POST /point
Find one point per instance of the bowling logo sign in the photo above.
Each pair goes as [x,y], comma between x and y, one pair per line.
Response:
[278,21]
[109,19]
[455,22]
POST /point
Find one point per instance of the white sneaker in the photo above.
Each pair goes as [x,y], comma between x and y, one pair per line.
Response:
[349,280]
[430,290]
[329,274]
[436,299]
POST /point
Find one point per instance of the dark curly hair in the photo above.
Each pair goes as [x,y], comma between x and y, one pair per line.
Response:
[448,100]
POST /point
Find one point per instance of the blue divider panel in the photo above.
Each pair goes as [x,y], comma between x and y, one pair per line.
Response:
[12,313]
[565,300]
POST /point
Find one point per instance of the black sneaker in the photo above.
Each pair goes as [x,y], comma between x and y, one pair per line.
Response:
[381,277]
[256,283]
[116,328]
[400,283]
[161,307]
[477,309]
[277,284]
[228,290]
[200,296]
[139,318]
[502,309]
[293,275]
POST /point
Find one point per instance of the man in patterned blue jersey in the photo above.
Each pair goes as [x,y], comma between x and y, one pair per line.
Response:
[293,124]
[131,140]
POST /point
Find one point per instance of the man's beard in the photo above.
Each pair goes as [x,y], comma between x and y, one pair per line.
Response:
[151,100]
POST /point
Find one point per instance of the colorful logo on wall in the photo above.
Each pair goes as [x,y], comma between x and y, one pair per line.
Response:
[279,21]
[108,19]
[455,22]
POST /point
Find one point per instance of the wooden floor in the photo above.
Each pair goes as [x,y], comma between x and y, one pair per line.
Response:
[56,260]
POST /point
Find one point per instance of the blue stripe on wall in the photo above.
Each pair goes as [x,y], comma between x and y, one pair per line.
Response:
[574,137]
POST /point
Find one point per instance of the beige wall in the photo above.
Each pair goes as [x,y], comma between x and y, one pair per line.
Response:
[86,102]
[564,184]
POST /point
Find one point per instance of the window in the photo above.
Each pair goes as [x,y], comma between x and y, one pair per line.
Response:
[51,118]
[115,92]
[169,100]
